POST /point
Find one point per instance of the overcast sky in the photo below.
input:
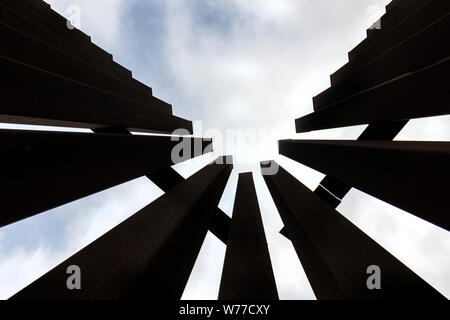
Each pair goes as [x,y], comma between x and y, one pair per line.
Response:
[231,64]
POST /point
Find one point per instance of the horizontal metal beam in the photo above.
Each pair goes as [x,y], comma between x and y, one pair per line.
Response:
[42,170]
[400,99]
[148,256]
[410,175]
[423,49]
[57,23]
[332,190]
[375,131]
[28,50]
[386,38]
[247,272]
[335,254]
[28,25]
[33,96]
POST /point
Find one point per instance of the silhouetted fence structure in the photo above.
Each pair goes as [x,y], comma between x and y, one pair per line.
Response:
[399,72]
[55,76]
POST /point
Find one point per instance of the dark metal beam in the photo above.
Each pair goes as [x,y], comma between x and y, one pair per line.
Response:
[42,170]
[376,131]
[395,5]
[423,49]
[25,23]
[407,174]
[168,178]
[383,130]
[393,18]
[247,273]
[57,24]
[148,256]
[335,254]
[34,96]
[220,225]
[332,190]
[399,99]
[28,50]
[387,38]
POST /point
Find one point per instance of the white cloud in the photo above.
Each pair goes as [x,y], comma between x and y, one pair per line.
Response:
[262,71]
[21,266]
[426,129]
